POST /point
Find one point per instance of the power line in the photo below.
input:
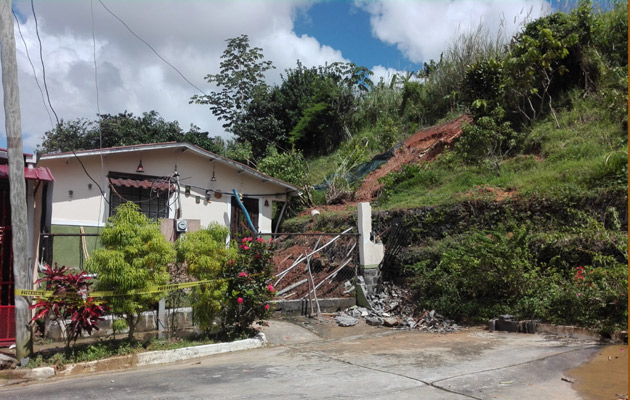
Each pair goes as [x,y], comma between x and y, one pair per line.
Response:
[149,46]
[28,55]
[41,57]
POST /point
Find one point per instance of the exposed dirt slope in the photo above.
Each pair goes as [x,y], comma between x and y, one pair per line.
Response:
[424,145]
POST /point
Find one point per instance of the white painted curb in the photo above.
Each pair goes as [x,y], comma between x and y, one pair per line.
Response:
[186,353]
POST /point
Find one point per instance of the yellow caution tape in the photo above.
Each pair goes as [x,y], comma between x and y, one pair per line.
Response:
[152,289]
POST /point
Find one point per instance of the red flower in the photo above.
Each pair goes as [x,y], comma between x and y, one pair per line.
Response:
[270,288]
[239,300]
[266,306]
[260,240]
[242,274]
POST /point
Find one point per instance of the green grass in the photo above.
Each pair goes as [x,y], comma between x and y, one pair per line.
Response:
[587,153]
[108,348]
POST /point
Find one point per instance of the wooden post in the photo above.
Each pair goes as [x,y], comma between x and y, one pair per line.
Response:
[17,184]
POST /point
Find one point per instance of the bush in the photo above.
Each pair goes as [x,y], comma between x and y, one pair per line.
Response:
[205,254]
[248,289]
[136,256]
[481,275]
[70,303]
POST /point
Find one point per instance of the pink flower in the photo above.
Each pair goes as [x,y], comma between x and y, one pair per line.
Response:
[260,240]
[579,294]
[245,247]
[270,288]
[267,308]
[239,300]
[242,274]
[244,240]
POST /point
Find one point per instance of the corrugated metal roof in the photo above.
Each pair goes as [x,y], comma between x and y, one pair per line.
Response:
[37,174]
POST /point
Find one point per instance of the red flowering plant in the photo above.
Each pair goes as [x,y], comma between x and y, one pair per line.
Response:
[249,289]
[70,303]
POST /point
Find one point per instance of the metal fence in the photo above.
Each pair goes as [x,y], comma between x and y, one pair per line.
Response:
[315,265]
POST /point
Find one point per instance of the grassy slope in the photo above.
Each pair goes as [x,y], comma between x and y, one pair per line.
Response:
[583,155]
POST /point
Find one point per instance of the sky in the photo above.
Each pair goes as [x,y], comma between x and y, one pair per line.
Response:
[93,64]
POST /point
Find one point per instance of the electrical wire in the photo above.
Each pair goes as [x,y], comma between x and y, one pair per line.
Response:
[149,46]
[41,91]
[41,57]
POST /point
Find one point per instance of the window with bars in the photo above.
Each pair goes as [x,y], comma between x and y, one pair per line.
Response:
[150,193]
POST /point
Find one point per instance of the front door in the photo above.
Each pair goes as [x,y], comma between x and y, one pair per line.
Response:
[239,227]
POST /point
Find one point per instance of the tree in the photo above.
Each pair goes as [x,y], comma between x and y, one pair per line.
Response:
[242,71]
[122,129]
[205,254]
[135,256]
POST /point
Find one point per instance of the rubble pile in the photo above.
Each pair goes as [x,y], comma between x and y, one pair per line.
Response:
[392,307]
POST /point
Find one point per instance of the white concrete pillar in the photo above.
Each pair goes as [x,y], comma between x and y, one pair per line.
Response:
[370,254]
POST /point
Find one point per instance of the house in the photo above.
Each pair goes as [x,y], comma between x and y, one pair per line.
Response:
[181,184]
[39,185]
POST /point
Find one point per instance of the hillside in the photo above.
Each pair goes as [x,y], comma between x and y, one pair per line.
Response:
[519,205]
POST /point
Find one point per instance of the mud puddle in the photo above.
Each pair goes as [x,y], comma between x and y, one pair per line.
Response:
[605,377]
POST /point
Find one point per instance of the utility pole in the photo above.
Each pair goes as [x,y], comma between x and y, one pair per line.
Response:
[17,184]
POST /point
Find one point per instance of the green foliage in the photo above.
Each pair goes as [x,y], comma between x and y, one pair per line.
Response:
[135,256]
[242,72]
[121,130]
[205,253]
[410,175]
[481,274]
[248,292]
[489,140]
[289,166]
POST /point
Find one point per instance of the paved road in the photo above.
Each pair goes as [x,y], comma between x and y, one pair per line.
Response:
[373,364]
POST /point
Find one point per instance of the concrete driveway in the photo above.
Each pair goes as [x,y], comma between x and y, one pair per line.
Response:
[309,360]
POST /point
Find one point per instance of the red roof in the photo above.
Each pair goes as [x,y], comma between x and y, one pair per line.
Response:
[37,174]
[144,184]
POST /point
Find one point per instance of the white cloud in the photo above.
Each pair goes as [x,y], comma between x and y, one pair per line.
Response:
[190,35]
[422,29]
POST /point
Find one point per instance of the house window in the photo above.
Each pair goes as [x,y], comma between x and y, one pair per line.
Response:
[150,193]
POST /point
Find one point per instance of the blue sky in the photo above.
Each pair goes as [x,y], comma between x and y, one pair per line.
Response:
[342,25]
[85,47]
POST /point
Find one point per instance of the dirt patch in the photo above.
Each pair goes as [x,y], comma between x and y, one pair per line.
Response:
[331,268]
[422,146]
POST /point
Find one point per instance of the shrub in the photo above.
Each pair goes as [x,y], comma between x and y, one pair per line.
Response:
[205,254]
[136,256]
[70,303]
[481,274]
[248,289]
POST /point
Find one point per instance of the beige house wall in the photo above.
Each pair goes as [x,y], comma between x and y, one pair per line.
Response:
[86,206]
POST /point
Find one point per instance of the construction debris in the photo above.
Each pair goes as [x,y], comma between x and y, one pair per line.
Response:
[393,308]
